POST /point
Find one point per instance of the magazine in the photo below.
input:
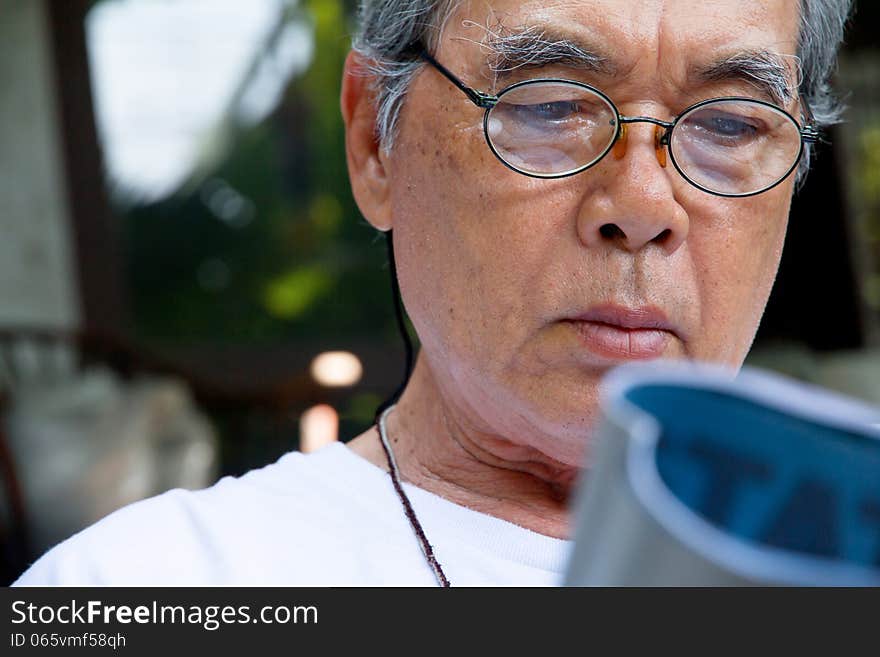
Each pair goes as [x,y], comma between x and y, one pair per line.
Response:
[702,476]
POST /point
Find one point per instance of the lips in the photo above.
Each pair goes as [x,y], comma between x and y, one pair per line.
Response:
[619,333]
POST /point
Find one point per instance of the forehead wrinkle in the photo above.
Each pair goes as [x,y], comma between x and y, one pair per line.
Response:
[765,70]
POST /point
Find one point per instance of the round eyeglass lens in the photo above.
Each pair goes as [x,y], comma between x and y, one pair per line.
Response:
[735,147]
[551,128]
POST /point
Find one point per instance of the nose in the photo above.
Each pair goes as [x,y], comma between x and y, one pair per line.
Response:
[630,202]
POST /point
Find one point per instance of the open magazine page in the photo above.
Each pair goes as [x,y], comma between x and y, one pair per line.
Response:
[701,476]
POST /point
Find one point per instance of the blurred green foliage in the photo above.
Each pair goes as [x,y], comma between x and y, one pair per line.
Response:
[868,171]
[870,164]
[271,245]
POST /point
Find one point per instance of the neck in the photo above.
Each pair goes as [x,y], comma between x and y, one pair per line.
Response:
[439,447]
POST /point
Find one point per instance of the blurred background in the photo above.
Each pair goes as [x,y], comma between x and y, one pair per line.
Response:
[187,289]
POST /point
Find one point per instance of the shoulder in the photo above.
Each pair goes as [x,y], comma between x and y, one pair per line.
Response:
[271,525]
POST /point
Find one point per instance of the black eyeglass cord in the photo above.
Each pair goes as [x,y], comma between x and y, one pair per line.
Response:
[401,327]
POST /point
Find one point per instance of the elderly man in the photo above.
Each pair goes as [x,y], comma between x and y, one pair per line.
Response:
[570,185]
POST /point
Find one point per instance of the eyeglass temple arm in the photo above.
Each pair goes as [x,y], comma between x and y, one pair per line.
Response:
[478,98]
[809,133]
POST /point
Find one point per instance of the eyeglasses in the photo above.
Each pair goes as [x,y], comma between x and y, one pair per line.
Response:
[553,128]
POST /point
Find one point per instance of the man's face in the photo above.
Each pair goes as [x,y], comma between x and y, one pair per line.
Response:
[525,291]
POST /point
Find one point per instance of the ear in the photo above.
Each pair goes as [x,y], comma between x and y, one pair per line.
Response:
[366,161]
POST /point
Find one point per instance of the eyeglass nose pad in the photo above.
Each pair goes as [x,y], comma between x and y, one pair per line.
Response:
[619,150]
[659,145]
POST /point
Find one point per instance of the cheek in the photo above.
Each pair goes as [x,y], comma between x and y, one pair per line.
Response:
[442,247]
[737,259]
[471,239]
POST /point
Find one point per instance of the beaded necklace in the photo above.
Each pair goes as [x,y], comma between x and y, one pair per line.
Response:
[394,471]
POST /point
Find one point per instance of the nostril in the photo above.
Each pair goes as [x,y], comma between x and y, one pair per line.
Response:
[662,236]
[611,231]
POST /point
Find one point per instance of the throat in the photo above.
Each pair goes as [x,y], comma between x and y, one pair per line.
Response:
[489,476]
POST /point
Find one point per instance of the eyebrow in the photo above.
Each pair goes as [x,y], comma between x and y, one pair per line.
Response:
[536,46]
[762,69]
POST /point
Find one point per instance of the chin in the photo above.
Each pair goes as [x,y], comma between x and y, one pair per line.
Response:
[565,432]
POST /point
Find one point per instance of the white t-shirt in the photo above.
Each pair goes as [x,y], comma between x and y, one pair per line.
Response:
[326,519]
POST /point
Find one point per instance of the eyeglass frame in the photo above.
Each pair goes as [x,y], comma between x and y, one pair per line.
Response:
[808,132]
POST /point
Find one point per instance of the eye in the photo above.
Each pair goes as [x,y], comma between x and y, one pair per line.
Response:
[725,126]
[552,111]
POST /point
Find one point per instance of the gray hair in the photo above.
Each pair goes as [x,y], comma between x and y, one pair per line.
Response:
[388,28]
[821,33]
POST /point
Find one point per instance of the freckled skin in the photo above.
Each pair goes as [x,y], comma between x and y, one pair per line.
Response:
[500,410]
